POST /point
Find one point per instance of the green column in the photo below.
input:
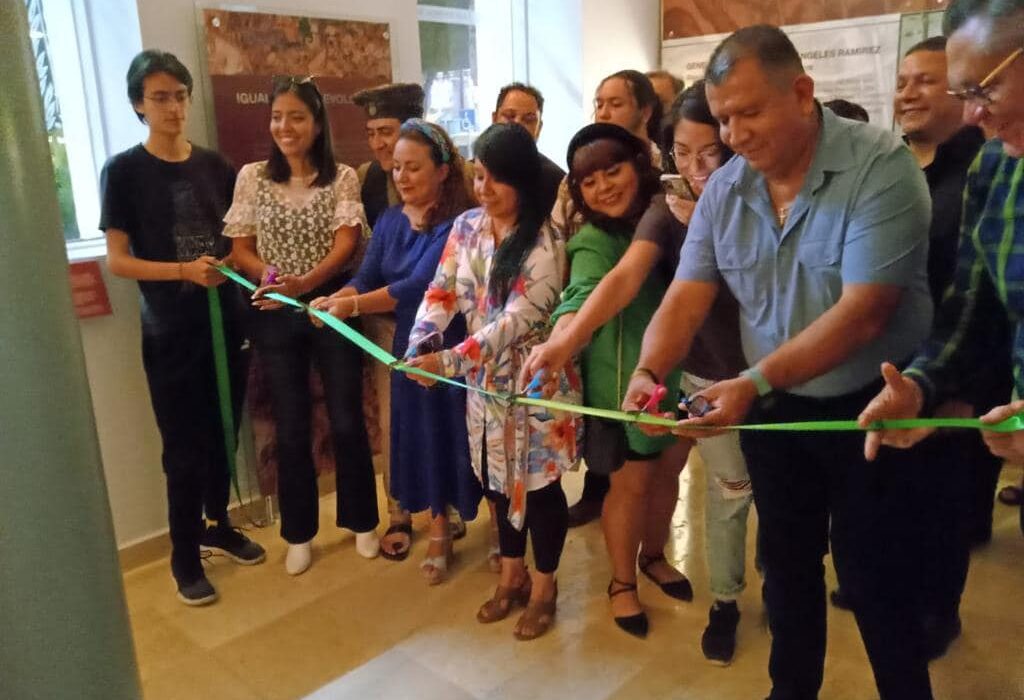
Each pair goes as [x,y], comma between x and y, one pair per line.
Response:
[64,629]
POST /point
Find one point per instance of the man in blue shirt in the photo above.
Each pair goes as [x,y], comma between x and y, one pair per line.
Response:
[819,227]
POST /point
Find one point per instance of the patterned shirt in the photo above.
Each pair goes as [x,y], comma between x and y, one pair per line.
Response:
[528,447]
[294,224]
[989,280]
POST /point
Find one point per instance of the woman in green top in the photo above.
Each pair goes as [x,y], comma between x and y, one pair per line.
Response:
[612,181]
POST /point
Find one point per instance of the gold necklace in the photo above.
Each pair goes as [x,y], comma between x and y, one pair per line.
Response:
[782,213]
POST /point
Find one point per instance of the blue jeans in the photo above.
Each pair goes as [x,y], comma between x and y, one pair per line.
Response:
[726,505]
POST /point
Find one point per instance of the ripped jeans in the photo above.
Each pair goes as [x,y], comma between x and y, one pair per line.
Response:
[726,505]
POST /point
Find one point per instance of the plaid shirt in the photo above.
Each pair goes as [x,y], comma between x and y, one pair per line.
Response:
[988,288]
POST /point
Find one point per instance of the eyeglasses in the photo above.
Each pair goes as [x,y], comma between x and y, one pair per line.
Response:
[166,99]
[706,156]
[982,92]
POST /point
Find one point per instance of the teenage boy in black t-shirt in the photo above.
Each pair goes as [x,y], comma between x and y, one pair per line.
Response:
[163,204]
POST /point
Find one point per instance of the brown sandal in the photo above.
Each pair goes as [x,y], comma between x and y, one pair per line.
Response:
[501,603]
[536,619]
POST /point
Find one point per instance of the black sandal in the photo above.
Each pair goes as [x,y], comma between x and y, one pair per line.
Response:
[406,529]
[680,590]
[636,625]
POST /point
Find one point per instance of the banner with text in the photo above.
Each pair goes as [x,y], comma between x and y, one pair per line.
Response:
[853,59]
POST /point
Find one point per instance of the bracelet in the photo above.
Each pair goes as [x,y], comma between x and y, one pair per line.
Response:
[355,306]
[649,373]
[762,385]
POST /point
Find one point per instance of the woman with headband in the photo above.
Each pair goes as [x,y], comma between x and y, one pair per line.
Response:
[299,228]
[502,270]
[429,454]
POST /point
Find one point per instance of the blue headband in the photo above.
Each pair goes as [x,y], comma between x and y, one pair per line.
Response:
[432,133]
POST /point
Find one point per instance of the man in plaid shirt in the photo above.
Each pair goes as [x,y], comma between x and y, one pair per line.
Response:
[986,70]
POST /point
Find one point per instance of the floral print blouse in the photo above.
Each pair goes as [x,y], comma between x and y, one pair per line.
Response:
[528,447]
[294,224]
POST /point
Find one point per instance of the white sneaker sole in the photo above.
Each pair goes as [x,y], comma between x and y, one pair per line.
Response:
[198,602]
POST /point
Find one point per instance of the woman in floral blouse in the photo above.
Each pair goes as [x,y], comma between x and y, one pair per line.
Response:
[502,269]
[299,228]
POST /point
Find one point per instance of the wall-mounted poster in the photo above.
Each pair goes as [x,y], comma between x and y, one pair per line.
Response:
[854,59]
[245,51]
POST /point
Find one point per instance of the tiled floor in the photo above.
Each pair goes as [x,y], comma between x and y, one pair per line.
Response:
[350,628]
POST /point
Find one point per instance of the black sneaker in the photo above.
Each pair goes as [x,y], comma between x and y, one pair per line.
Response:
[230,542]
[199,592]
[719,640]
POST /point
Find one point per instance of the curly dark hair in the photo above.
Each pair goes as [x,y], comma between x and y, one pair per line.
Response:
[454,197]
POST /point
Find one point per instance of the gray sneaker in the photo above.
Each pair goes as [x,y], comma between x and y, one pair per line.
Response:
[230,542]
[199,592]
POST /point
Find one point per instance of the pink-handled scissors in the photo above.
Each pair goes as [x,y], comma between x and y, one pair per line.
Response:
[657,394]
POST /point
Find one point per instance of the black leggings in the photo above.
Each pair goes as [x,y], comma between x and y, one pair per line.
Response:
[547,521]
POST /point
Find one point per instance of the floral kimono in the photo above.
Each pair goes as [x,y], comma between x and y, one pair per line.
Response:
[528,447]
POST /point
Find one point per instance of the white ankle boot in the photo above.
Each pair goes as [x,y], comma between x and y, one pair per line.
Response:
[368,544]
[299,557]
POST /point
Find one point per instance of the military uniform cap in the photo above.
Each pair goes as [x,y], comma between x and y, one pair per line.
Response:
[394,101]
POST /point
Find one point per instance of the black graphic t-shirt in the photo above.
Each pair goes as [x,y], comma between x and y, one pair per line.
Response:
[172,212]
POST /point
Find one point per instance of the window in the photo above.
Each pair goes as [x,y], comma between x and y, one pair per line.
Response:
[59,65]
[450,76]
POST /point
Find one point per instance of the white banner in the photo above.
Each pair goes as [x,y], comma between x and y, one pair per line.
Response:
[854,59]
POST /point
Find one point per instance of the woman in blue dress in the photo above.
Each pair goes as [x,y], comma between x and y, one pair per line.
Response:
[430,465]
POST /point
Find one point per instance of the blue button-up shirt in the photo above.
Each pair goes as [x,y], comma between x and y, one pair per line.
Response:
[861,217]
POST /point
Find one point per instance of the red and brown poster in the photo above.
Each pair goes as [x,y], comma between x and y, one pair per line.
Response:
[245,51]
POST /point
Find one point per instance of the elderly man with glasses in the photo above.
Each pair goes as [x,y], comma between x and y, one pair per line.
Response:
[986,71]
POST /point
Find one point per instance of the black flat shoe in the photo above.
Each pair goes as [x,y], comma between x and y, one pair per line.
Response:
[635,625]
[680,590]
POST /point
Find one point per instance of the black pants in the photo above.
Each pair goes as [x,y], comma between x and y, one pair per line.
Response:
[183,389]
[547,522]
[799,481]
[288,345]
[595,486]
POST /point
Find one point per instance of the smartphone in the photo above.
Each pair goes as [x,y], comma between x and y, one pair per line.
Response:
[677,185]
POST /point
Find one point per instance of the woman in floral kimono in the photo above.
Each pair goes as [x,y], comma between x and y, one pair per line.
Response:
[502,269]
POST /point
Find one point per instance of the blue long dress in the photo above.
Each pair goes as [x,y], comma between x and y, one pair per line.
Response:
[430,465]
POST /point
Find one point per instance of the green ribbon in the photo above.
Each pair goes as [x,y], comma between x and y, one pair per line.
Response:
[1011,424]
[220,363]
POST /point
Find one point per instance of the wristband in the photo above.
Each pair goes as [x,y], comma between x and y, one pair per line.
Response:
[754,375]
[355,306]
[645,371]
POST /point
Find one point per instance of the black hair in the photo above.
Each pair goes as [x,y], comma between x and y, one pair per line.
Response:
[150,62]
[322,152]
[768,44]
[678,85]
[520,87]
[692,105]
[959,11]
[510,155]
[643,92]
[932,43]
[601,146]
[848,110]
